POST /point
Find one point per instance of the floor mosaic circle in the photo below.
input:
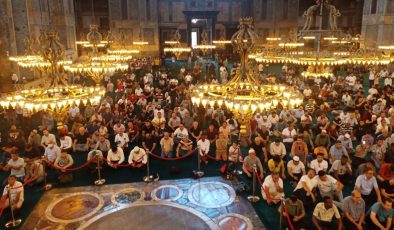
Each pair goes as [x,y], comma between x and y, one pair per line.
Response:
[233,221]
[211,194]
[127,196]
[167,193]
[74,207]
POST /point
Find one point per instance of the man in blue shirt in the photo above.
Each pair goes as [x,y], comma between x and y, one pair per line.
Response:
[380,215]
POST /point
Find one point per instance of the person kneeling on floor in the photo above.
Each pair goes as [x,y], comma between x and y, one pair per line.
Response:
[138,157]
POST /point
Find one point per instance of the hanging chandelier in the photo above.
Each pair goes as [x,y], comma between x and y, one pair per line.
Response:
[244,95]
[56,95]
[319,48]
[98,64]
[176,47]
[204,46]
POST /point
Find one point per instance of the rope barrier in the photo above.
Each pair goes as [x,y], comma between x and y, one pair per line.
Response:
[268,195]
[73,169]
[175,158]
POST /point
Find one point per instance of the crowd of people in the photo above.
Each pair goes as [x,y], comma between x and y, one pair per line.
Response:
[341,136]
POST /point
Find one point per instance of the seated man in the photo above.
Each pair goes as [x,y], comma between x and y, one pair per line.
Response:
[46,138]
[273,188]
[329,186]
[65,142]
[326,215]
[15,190]
[319,164]
[184,146]
[353,208]
[17,166]
[276,164]
[81,141]
[295,210]
[368,186]
[52,152]
[62,163]
[31,153]
[93,164]
[103,145]
[167,145]
[234,153]
[34,173]
[122,139]
[295,169]
[138,157]
[380,215]
[115,156]
[251,162]
[305,188]
[149,143]
[387,188]
[342,170]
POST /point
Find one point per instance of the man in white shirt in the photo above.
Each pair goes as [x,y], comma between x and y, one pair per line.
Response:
[73,111]
[288,135]
[273,188]
[65,142]
[122,139]
[277,148]
[342,170]
[319,163]
[296,169]
[52,152]
[138,157]
[17,166]
[115,156]
[329,186]
[326,215]
[203,146]
[46,138]
[14,188]
[305,188]
[179,133]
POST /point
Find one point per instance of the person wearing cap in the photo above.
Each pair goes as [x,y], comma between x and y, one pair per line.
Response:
[342,170]
[346,141]
[323,139]
[250,162]
[295,169]
[294,207]
[138,157]
[337,151]
[273,188]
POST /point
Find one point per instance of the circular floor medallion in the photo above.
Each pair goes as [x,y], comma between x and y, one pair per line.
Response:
[233,221]
[150,215]
[167,193]
[127,196]
[211,194]
[74,207]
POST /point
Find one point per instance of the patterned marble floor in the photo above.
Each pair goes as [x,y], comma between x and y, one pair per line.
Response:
[207,203]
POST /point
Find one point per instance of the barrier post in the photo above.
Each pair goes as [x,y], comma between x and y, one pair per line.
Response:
[13,223]
[198,173]
[99,181]
[282,200]
[148,178]
[253,198]
[47,186]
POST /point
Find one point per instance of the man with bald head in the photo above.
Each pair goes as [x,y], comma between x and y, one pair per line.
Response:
[353,208]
